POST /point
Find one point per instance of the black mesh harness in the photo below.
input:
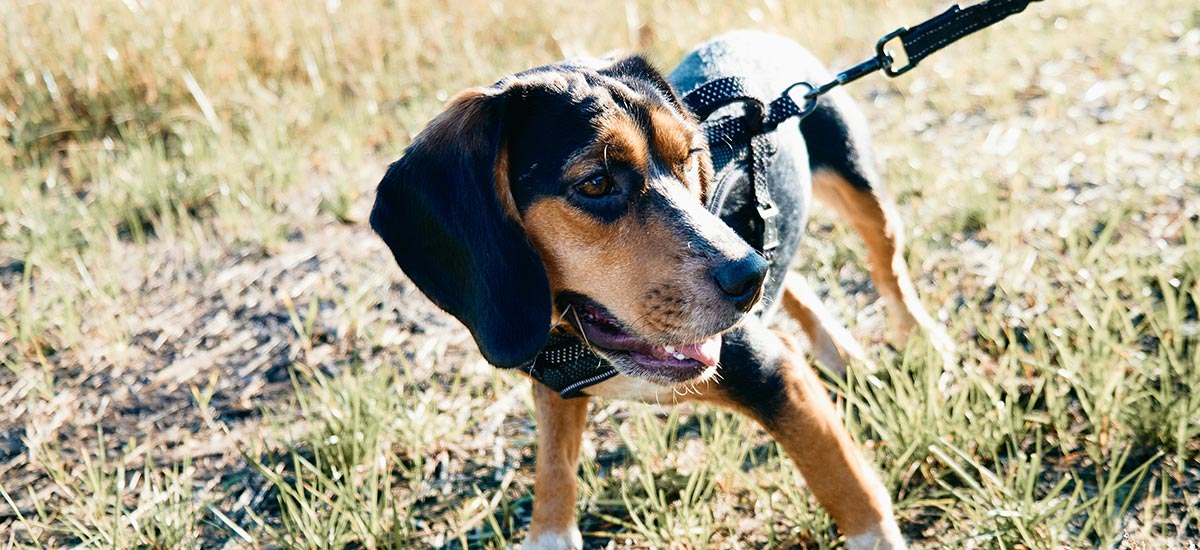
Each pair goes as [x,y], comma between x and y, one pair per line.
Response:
[742,145]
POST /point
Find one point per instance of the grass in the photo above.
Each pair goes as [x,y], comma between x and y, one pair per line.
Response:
[202,345]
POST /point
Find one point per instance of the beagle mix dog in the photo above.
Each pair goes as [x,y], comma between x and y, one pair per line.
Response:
[572,197]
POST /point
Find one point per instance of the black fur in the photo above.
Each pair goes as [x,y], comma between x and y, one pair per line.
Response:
[832,146]
[543,129]
[438,212]
[642,76]
[750,369]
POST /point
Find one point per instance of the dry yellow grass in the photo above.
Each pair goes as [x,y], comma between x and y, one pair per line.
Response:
[204,346]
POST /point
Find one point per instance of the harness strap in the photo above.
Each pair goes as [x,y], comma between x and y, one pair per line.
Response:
[752,128]
[713,95]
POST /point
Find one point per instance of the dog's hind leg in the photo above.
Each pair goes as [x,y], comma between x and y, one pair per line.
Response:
[832,343]
[845,179]
[877,224]
[560,425]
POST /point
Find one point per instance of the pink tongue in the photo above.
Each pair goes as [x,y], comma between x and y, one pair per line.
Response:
[706,351]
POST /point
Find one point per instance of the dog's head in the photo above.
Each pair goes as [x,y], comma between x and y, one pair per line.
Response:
[572,194]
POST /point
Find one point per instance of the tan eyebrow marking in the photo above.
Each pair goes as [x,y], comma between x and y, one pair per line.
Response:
[673,140]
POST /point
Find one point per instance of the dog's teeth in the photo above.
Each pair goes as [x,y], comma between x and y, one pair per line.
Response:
[670,349]
[680,356]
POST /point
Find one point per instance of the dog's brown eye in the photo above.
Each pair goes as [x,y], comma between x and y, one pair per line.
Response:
[595,187]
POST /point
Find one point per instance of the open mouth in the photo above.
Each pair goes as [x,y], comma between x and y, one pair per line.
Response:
[667,363]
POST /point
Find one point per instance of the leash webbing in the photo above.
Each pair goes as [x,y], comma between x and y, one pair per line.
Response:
[919,42]
[947,28]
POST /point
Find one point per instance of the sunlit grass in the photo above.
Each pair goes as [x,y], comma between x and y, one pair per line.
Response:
[184,183]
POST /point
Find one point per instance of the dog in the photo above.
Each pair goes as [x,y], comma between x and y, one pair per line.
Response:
[571,197]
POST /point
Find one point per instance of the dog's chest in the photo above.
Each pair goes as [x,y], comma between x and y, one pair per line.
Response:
[637,389]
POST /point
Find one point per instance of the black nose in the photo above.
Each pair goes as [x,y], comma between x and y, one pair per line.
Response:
[741,280]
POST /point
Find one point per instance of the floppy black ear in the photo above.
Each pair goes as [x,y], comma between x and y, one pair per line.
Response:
[636,71]
[438,211]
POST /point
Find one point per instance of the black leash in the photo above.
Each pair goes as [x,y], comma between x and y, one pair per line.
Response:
[920,42]
[569,365]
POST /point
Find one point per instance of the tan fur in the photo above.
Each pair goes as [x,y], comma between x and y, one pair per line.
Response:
[832,344]
[622,139]
[503,185]
[877,223]
[672,137]
[808,428]
[636,268]
[560,424]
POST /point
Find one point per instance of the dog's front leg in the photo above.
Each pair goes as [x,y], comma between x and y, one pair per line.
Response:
[766,377]
[808,428]
[560,424]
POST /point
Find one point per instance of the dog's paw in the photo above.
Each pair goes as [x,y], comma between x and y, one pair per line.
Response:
[883,537]
[551,540]
[899,331]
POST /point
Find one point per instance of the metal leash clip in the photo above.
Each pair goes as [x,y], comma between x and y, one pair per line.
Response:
[886,57]
[919,42]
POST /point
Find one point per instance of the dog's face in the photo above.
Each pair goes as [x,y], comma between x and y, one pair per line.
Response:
[603,173]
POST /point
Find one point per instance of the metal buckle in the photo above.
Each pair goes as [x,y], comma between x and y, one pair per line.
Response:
[767,212]
[809,97]
[885,56]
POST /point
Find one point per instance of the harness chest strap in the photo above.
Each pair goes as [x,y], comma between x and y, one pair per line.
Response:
[751,132]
